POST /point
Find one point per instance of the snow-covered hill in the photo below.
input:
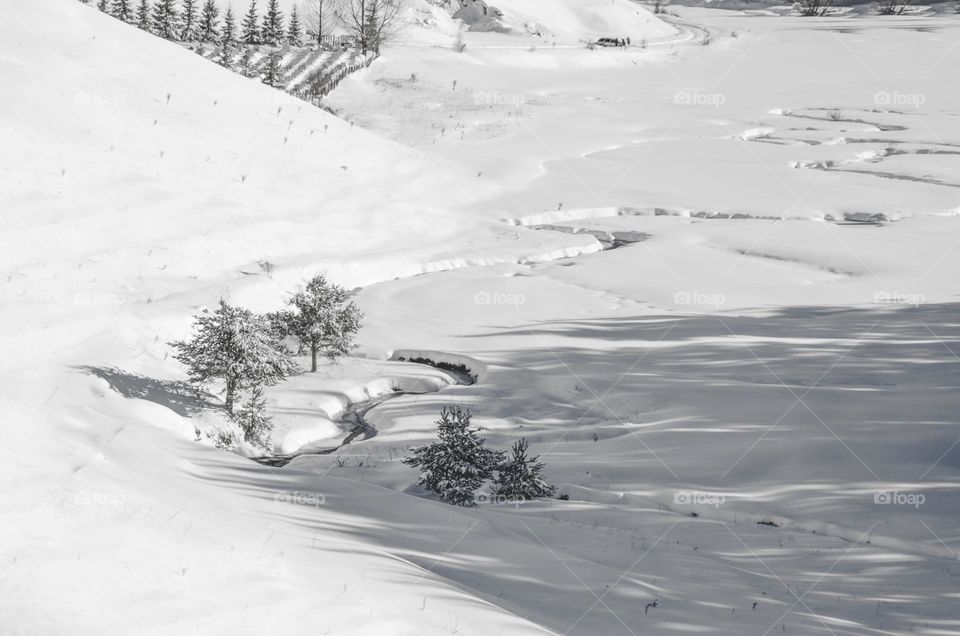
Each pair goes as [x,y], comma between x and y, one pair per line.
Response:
[724,403]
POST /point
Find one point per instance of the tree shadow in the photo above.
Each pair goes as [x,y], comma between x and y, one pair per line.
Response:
[180,397]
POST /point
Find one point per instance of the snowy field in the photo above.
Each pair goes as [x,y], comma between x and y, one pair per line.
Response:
[711,277]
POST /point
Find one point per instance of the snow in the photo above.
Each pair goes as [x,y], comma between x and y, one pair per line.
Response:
[751,410]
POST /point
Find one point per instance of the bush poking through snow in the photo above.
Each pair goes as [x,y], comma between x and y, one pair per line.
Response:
[892,7]
[813,8]
[519,478]
[457,464]
[236,346]
[323,318]
[253,420]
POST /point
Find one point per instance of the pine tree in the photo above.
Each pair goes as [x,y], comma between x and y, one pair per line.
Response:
[251,32]
[189,24]
[272,32]
[457,464]
[165,19]
[122,10]
[294,32]
[229,35]
[225,58]
[143,16]
[272,76]
[209,22]
[253,419]
[519,479]
[103,5]
[322,316]
[246,63]
[236,346]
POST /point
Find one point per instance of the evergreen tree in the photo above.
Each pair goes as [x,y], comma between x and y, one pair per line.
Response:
[229,35]
[272,31]
[273,76]
[519,479]
[253,419]
[322,316]
[294,32]
[189,23]
[246,63]
[236,346]
[122,10]
[457,464]
[165,19]
[103,5]
[209,22]
[143,16]
[251,32]
[225,59]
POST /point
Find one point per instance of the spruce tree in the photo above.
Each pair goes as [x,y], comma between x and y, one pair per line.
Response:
[246,63]
[209,22]
[456,465]
[294,32]
[229,35]
[143,16]
[165,19]
[189,23]
[103,5]
[272,31]
[236,346]
[321,317]
[253,419]
[251,30]
[519,478]
[225,59]
[272,76]
[122,10]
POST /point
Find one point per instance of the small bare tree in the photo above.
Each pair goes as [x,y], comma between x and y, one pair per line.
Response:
[373,22]
[813,8]
[660,6]
[892,7]
[318,18]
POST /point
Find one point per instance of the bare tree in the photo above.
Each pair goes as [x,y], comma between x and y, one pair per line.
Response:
[892,7]
[813,8]
[318,18]
[373,22]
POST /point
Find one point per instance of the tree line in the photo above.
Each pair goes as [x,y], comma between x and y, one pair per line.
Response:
[370,23]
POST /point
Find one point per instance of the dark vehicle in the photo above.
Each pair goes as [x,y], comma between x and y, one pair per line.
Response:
[608,42]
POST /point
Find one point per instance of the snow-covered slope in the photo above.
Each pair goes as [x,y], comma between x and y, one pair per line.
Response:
[140,182]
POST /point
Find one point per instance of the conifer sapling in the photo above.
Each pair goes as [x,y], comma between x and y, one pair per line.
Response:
[457,464]
[519,478]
